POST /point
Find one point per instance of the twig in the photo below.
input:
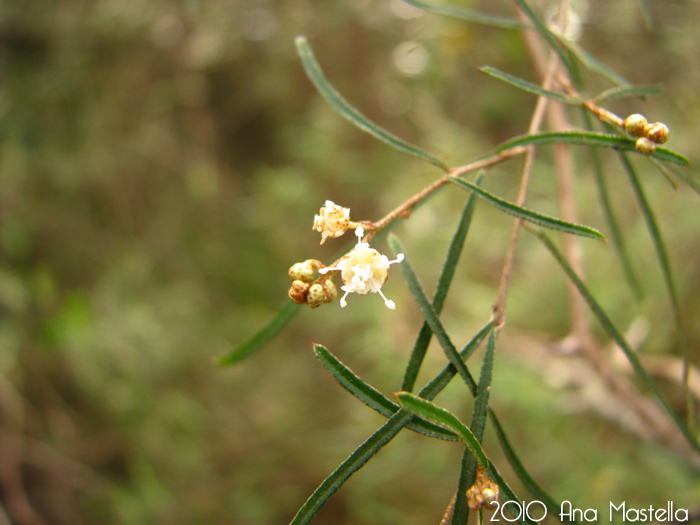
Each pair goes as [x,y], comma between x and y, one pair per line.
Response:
[498,309]
[449,511]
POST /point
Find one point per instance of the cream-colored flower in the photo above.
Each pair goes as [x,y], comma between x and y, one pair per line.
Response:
[332,221]
[364,270]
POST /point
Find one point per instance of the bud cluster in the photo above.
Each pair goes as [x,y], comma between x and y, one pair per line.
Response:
[483,493]
[304,290]
[362,269]
[648,134]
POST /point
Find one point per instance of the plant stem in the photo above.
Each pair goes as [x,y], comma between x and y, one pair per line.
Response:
[405,208]
[499,307]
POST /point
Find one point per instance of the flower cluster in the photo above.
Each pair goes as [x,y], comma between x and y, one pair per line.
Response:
[649,134]
[332,221]
[483,492]
[362,269]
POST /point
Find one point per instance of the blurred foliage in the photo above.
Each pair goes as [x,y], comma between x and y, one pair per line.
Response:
[160,165]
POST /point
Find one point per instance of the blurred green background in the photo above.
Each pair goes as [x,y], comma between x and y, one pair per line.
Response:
[160,166]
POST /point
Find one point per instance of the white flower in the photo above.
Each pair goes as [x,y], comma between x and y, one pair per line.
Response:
[332,221]
[364,270]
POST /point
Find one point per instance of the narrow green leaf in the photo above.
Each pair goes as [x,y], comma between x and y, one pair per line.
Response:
[646,14]
[655,233]
[262,336]
[664,171]
[528,86]
[430,315]
[478,424]
[590,138]
[432,389]
[591,63]
[467,476]
[630,90]
[664,262]
[695,185]
[352,464]
[468,14]
[343,107]
[546,33]
[616,336]
[528,482]
[444,281]
[576,77]
[430,410]
[381,437]
[481,403]
[529,215]
[507,494]
[373,398]
[609,215]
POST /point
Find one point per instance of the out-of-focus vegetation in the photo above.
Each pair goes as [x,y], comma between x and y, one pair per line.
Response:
[160,165]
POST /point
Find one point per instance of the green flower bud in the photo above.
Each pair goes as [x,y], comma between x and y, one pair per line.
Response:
[302,272]
[645,146]
[634,125]
[316,295]
[656,132]
[297,293]
[331,292]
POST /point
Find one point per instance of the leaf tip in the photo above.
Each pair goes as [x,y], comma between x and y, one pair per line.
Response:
[222,361]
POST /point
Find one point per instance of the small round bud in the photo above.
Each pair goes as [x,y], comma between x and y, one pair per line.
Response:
[489,496]
[645,146]
[634,125]
[656,132]
[313,264]
[315,296]
[297,293]
[302,272]
[331,292]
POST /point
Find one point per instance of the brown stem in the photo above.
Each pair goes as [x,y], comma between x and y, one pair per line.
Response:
[405,208]
[449,511]
[499,307]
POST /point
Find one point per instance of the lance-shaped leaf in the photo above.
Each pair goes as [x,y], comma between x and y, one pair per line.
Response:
[343,107]
[431,316]
[529,215]
[591,63]
[609,214]
[352,464]
[527,480]
[373,398]
[262,336]
[590,138]
[546,33]
[630,90]
[431,411]
[615,334]
[468,14]
[381,437]
[695,185]
[481,403]
[646,14]
[664,262]
[530,87]
[478,424]
[444,281]
[508,495]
